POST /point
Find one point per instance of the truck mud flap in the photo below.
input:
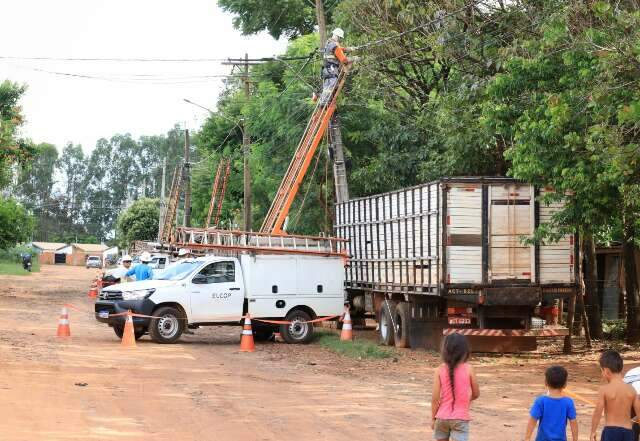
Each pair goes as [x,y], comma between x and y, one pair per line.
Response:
[425,327]
[512,296]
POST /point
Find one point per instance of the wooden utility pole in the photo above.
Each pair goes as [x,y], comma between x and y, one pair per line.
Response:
[246,150]
[187,180]
[322,24]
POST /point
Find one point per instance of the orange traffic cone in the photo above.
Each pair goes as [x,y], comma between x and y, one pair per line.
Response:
[128,336]
[93,292]
[347,330]
[246,342]
[63,324]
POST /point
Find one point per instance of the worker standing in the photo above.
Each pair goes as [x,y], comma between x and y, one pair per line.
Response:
[333,58]
[142,271]
[121,271]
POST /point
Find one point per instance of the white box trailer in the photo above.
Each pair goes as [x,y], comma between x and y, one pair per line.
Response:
[451,253]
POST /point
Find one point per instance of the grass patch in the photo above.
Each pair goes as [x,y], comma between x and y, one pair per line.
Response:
[358,349]
[15,269]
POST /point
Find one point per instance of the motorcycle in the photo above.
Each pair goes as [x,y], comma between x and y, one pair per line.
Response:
[26,264]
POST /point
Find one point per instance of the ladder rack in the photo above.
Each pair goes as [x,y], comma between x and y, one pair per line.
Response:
[214,239]
[217,192]
[172,206]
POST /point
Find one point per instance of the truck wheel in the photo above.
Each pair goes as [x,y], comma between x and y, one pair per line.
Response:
[119,330]
[401,325]
[387,312]
[297,332]
[169,327]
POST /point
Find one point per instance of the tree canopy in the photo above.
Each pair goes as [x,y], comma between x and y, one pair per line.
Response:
[138,222]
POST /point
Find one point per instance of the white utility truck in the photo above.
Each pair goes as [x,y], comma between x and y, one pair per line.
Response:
[216,290]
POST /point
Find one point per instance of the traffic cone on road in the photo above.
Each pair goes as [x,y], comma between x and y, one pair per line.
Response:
[128,336]
[93,292]
[246,342]
[63,324]
[347,330]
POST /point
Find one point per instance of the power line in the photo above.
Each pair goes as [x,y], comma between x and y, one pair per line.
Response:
[150,60]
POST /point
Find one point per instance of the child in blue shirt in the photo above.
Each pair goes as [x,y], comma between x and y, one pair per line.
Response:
[552,411]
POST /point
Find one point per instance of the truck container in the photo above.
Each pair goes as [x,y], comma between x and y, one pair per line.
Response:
[452,254]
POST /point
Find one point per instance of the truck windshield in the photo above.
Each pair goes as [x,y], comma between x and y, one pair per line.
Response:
[178,271]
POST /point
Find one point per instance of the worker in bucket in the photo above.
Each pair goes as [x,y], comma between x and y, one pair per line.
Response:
[333,58]
[142,271]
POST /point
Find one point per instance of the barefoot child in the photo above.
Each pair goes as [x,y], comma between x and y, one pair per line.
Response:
[552,411]
[454,387]
[616,399]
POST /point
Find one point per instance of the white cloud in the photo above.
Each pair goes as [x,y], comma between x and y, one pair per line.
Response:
[60,109]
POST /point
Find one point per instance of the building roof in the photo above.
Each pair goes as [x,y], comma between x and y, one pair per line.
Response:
[90,247]
[49,246]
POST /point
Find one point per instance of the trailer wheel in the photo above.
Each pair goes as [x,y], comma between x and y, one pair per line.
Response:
[119,330]
[297,332]
[387,312]
[169,327]
[401,325]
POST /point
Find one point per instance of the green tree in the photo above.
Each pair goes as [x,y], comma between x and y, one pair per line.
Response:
[16,224]
[12,148]
[290,18]
[138,222]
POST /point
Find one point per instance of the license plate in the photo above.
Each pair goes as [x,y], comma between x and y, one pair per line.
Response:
[459,321]
[103,314]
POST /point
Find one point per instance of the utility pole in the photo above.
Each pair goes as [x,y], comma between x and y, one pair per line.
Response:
[246,150]
[162,195]
[187,181]
[243,64]
[322,24]
[335,134]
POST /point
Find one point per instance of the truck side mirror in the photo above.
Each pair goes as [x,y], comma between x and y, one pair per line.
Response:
[199,279]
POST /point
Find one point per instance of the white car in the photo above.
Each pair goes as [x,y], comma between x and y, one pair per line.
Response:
[94,262]
[216,290]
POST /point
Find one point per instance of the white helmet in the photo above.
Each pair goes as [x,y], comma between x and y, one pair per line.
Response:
[145,257]
[338,32]
[126,258]
[183,252]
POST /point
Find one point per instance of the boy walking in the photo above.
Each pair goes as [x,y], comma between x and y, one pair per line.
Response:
[616,399]
[552,411]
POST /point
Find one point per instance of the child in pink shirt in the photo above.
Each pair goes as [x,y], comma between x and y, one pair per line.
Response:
[454,387]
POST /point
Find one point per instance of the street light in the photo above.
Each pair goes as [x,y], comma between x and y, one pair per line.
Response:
[237,123]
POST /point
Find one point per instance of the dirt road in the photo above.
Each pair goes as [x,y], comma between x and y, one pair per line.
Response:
[88,388]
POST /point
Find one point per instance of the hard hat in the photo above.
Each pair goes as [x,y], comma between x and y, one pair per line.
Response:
[145,257]
[338,32]
[126,258]
[183,252]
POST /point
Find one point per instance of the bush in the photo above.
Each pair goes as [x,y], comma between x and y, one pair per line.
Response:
[614,329]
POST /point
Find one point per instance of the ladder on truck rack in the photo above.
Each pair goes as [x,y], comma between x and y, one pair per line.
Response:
[212,239]
[217,192]
[316,127]
[172,206]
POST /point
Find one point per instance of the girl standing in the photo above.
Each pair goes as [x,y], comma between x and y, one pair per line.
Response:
[454,387]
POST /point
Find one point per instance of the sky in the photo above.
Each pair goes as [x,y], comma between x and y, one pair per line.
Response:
[141,98]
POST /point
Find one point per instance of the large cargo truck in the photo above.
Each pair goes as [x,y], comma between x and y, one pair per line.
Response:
[451,255]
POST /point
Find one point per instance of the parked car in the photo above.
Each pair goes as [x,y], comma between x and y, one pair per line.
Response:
[94,262]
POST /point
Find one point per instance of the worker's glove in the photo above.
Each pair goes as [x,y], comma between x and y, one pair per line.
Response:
[351,48]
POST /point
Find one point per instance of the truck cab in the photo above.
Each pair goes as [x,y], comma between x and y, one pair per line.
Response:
[216,290]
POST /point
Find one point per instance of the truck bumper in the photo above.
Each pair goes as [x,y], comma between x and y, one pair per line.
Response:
[105,309]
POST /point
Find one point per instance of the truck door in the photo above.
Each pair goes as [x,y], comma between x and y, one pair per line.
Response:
[217,293]
[511,218]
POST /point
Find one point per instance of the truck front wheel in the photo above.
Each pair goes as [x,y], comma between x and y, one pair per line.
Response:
[297,331]
[169,327]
